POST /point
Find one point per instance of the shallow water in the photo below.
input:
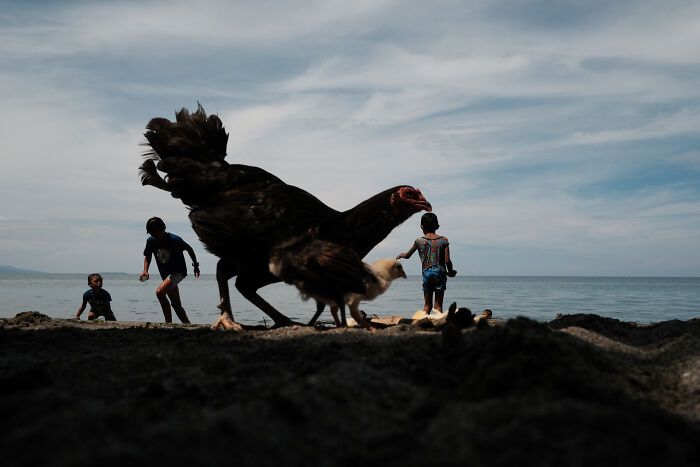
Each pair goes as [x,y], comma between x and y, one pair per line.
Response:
[642,299]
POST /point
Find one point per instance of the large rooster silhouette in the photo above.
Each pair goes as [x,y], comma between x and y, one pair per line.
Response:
[262,229]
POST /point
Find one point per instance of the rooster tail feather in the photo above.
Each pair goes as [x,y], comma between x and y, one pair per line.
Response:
[193,136]
[190,151]
[150,176]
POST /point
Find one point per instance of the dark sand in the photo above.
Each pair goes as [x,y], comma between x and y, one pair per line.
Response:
[581,390]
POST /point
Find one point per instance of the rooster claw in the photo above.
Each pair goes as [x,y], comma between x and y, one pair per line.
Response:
[226,323]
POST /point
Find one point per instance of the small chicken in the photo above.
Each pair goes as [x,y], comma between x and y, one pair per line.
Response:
[384,271]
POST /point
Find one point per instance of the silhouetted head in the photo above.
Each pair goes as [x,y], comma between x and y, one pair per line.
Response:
[429,222]
[95,281]
[155,226]
[409,200]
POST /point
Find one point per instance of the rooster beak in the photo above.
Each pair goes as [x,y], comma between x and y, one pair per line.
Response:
[423,203]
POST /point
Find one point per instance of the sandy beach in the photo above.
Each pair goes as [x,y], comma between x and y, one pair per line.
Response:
[579,390]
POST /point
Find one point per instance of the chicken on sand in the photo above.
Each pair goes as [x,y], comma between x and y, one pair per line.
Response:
[247,216]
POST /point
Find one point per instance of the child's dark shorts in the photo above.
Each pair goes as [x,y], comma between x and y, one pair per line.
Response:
[103,311]
[434,279]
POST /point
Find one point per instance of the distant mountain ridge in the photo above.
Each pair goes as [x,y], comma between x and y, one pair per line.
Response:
[5,269]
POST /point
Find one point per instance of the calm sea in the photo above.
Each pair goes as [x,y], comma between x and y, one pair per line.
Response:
[642,299]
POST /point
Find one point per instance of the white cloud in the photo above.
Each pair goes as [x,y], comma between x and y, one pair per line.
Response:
[690,159]
[685,121]
[164,27]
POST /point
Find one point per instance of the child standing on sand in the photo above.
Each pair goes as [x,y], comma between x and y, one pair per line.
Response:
[434,251]
[167,248]
[98,298]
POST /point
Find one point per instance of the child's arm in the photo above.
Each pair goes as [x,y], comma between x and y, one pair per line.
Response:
[80,310]
[195,264]
[448,262]
[409,253]
[146,263]
[110,313]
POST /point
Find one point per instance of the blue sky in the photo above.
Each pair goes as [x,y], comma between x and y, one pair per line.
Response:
[552,137]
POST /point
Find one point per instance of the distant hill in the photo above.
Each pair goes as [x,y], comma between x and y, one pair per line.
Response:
[4,269]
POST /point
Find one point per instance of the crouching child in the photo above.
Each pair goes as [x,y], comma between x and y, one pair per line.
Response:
[99,300]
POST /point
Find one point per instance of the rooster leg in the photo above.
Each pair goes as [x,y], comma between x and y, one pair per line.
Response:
[319,309]
[334,312]
[343,320]
[224,272]
[249,290]
[359,318]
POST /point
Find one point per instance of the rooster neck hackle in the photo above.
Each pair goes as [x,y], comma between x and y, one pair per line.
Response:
[372,220]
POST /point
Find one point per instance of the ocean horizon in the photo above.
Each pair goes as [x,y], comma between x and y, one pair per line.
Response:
[627,298]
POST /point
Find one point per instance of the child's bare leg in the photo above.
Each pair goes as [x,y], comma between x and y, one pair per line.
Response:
[162,295]
[428,301]
[174,294]
[439,296]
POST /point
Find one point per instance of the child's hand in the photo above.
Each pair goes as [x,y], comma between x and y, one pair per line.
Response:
[144,276]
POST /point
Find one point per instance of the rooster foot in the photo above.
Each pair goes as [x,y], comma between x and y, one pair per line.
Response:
[226,323]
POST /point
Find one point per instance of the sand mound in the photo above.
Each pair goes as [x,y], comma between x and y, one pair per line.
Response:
[27,318]
[516,393]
